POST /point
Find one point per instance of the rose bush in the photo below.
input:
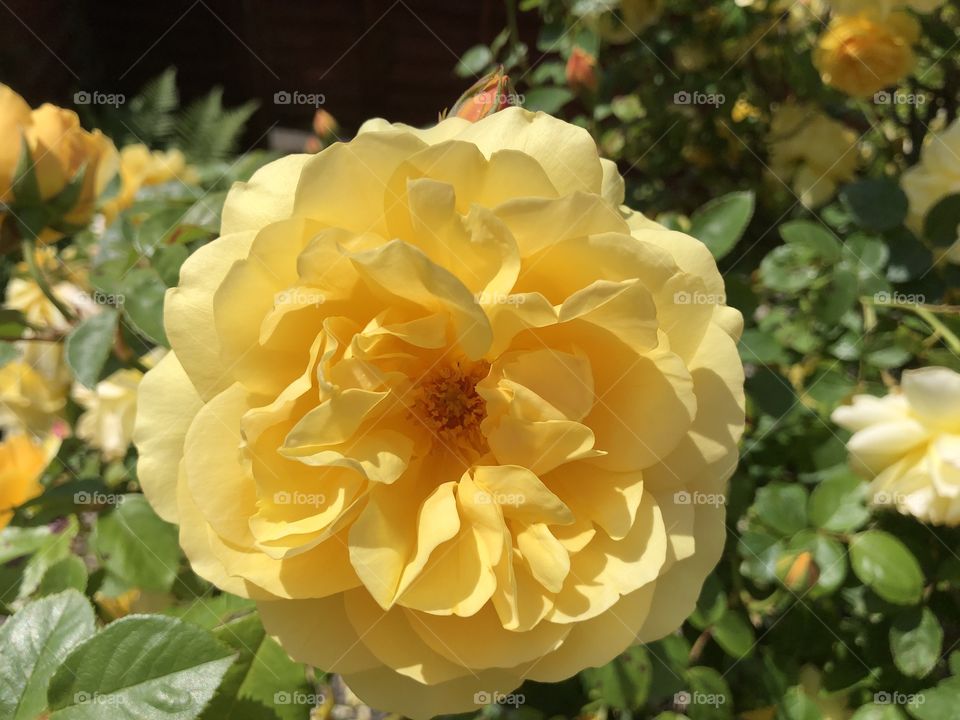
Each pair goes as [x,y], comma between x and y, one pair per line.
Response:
[434,401]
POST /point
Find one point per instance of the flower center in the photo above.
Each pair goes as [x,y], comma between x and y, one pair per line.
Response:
[447,403]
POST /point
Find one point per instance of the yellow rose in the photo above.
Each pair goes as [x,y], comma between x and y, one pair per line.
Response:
[110,408]
[21,462]
[936,176]
[139,168]
[446,411]
[59,148]
[33,388]
[625,23]
[811,152]
[861,54]
[26,296]
[908,444]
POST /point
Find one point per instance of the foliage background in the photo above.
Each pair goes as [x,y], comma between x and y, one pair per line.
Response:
[821,606]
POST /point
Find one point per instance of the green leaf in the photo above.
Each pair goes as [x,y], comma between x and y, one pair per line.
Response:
[624,683]
[138,548]
[35,641]
[797,705]
[709,696]
[782,507]
[876,203]
[757,346]
[69,573]
[878,712]
[474,61]
[89,346]
[150,667]
[711,605]
[143,293]
[829,556]
[837,504]
[884,564]
[940,225]
[939,703]
[813,239]
[916,639]
[720,223]
[735,635]
[12,325]
[261,671]
[547,99]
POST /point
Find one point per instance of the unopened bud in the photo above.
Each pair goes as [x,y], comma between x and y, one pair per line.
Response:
[582,70]
[485,97]
[798,572]
[324,124]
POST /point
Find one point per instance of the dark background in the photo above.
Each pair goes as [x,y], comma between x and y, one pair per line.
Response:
[388,58]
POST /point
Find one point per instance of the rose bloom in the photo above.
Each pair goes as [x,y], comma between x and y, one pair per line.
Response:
[21,462]
[908,444]
[25,295]
[936,176]
[811,152]
[140,167]
[861,54]
[438,403]
[59,148]
[33,388]
[109,412]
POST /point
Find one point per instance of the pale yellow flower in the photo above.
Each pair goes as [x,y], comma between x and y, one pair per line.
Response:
[109,412]
[908,444]
[450,414]
[861,54]
[25,295]
[811,152]
[936,176]
[33,388]
[59,148]
[140,168]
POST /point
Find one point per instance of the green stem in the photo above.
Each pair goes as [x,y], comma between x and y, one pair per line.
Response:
[928,313]
[36,273]
[949,337]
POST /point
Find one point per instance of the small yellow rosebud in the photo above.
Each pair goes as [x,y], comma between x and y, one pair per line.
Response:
[798,572]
